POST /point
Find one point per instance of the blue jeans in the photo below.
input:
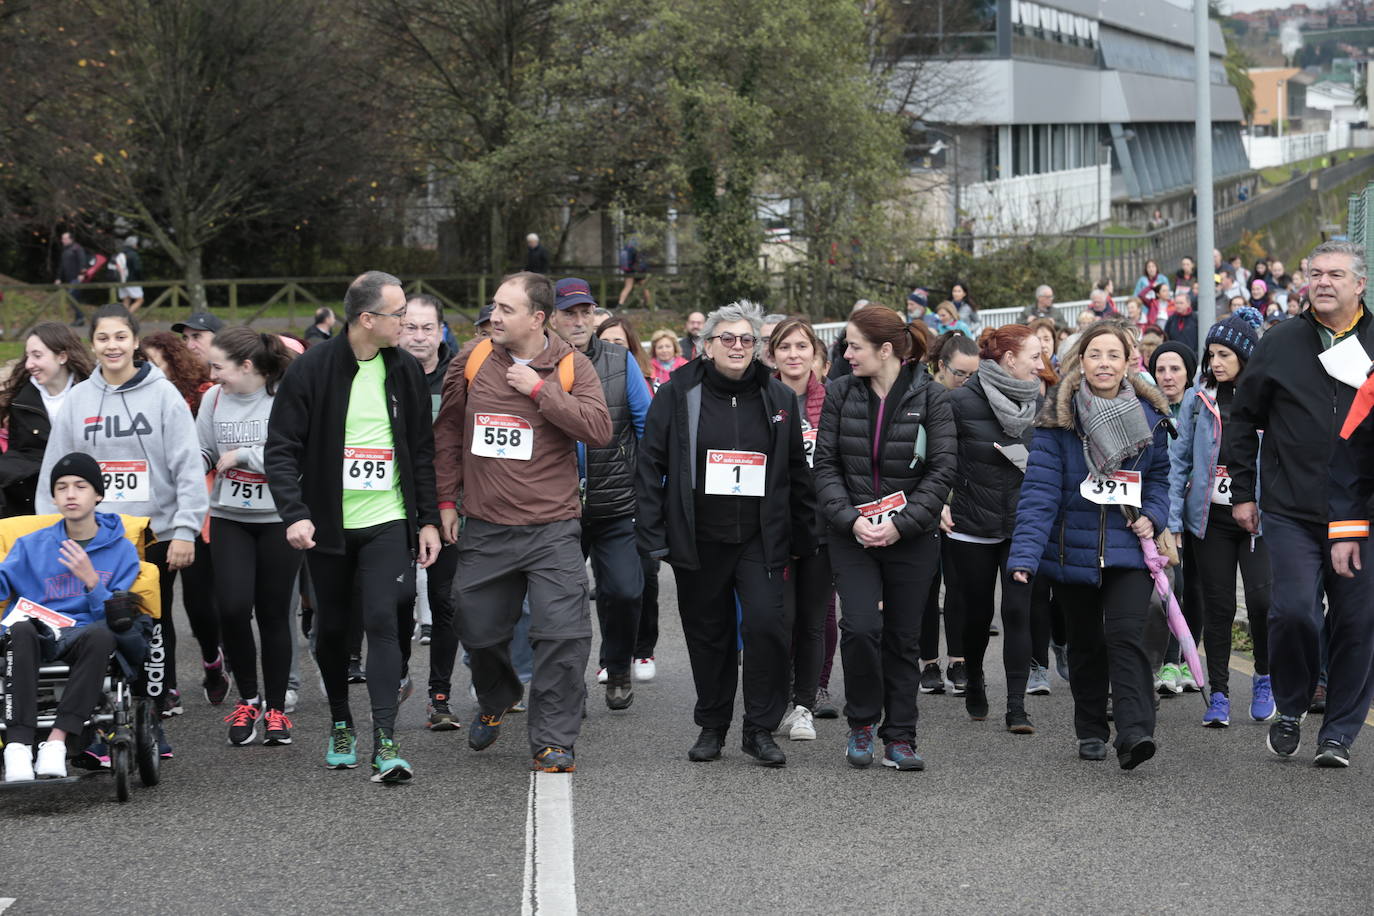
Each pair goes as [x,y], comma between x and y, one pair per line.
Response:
[1301,558]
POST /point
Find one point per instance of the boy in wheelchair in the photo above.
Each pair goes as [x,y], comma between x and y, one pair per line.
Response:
[72,568]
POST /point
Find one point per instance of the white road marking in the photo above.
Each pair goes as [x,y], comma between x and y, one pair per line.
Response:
[6,903]
[550,878]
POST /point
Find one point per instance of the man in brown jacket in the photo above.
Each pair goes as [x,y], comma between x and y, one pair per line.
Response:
[505,442]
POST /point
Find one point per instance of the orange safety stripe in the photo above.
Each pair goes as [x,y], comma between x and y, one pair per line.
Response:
[1354,528]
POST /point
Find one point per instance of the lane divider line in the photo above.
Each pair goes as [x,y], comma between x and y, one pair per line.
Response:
[6,903]
[550,886]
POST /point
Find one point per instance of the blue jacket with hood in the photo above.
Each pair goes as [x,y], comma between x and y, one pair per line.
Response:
[33,569]
[1063,535]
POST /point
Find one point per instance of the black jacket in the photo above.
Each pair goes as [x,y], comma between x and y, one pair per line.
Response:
[19,465]
[305,439]
[665,475]
[987,486]
[1183,328]
[844,451]
[1285,392]
[610,491]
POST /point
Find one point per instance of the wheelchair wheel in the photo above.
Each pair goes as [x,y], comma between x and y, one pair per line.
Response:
[145,742]
[119,766]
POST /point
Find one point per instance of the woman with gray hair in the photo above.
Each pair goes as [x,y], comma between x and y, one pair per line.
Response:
[725,496]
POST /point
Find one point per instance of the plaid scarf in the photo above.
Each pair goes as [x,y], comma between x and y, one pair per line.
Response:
[1114,429]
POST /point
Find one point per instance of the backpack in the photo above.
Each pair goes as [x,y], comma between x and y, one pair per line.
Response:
[480,353]
[133,264]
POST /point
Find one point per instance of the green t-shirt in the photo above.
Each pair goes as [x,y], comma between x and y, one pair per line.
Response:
[369,452]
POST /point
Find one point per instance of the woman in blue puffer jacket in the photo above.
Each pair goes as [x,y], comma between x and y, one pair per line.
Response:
[1200,505]
[1097,481]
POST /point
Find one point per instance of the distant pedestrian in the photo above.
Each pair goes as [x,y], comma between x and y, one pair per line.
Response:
[536,255]
[69,271]
[635,270]
[323,328]
[130,268]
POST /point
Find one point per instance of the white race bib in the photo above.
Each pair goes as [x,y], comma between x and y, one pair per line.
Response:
[371,469]
[735,473]
[500,435]
[1120,489]
[880,510]
[809,443]
[126,481]
[239,489]
[1221,487]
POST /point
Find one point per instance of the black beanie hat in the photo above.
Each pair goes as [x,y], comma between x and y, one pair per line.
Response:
[1239,331]
[1183,350]
[78,464]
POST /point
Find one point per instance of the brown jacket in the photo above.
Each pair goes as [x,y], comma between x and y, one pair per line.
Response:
[511,492]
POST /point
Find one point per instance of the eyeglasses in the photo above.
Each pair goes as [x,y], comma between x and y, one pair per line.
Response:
[729,340]
[397,315]
[958,373]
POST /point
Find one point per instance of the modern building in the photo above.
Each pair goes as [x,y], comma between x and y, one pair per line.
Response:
[1061,114]
[1280,95]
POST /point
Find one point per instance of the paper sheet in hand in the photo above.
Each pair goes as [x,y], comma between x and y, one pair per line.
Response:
[24,609]
[1347,362]
[1015,453]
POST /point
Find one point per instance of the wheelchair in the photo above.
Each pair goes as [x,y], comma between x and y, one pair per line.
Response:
[127,724]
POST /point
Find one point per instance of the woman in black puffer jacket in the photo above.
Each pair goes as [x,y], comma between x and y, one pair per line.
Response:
[885,459]
[993,412]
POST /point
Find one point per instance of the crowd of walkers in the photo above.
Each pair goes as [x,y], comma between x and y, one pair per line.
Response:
[1089,495]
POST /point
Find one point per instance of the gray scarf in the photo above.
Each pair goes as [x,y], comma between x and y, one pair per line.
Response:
[1012,400]
[1114,429]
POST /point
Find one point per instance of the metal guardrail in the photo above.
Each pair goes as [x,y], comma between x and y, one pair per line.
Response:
[1067,313]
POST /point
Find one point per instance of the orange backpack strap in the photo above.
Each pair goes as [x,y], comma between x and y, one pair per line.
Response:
[480,353]
[565,372]
[478,356]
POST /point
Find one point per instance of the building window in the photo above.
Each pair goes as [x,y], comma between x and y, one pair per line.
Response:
[991,142]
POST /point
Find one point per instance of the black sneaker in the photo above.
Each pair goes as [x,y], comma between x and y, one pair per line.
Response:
[169,703]
[426,634]
[1018,723]
[707,747]
[441,718]
[243,722]
[1137,752]
[356,674]
[958,678]
[216,682]
[1331,753]
[757,743]
[1092,749]
[278,729]
[619,693]
[931,679]
[1285,734]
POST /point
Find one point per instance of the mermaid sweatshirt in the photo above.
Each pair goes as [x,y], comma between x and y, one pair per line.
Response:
[143,435]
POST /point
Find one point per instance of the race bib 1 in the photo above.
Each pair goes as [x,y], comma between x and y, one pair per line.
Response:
[881,510]
[1221,487]
[809,443]
[24,609]
[1120,489]
[239,489]
[372,469]
[500,435]
[126,481]
[735,473]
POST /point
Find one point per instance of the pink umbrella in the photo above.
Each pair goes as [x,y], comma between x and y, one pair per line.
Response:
[1177,625]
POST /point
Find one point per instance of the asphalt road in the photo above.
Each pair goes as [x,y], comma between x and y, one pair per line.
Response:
[996,823]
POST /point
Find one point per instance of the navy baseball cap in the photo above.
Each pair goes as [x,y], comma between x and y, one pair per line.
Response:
[483,315]
[572,291]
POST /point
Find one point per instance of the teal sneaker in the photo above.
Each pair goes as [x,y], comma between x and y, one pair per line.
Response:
[388,765]
[341,749]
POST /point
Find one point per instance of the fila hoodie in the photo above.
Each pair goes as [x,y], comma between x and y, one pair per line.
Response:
[145,420]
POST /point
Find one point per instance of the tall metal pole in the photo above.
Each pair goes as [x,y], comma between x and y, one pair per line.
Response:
[1202,174]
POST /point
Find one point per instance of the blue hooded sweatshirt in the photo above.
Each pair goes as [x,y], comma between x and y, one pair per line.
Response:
[33,569]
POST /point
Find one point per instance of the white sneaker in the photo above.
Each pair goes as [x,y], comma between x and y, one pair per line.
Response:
[601,675]
[789,719]
[803,725]
[18,763]
[644,669]
[52,760]
[292,698]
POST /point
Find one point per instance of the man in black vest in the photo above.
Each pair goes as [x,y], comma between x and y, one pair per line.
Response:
[607,480]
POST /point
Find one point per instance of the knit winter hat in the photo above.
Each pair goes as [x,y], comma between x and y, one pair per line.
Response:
[78,464]
[1184,352]
[1238,331]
